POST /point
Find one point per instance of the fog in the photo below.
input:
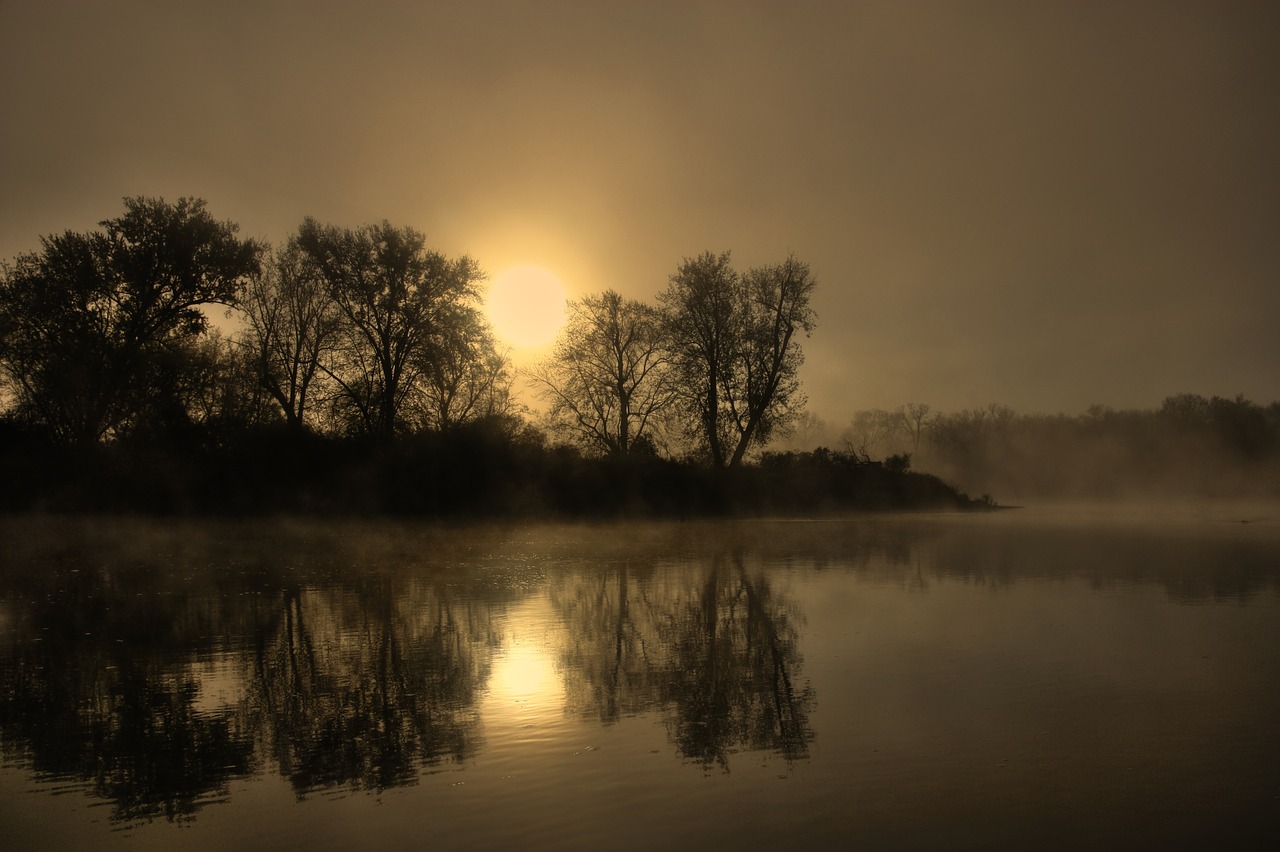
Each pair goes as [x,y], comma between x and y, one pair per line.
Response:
[1048,204]
[1191,449]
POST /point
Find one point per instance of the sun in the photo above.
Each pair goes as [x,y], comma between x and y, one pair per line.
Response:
[526,305]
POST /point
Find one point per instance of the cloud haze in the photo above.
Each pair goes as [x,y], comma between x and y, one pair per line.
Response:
[1043,204]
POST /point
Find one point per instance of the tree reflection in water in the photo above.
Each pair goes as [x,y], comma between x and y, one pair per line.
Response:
[95,687]
[154,664]
[368,687]
[104,679]
[155,674]
[714,649]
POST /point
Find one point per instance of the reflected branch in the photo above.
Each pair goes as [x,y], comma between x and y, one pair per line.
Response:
[363,696]
[711,648]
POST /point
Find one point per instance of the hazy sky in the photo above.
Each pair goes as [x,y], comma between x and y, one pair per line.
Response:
[1043,204]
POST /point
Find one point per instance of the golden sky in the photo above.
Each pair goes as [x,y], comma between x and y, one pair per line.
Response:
[1044,204]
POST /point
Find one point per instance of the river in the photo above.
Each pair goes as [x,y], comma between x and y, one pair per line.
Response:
[1038,678]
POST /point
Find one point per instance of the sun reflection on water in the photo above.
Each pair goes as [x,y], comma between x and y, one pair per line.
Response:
[525,671]
[525,681]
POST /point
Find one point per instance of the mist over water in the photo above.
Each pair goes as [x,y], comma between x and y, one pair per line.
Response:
[1192,449]
[1048,677]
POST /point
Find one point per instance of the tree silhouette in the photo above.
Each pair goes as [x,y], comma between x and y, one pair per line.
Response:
[872,431]
[915,417]
[399,302]
[465,377]
[776,308]
[215,396]
[291,325]
[607,381]
[93,328]
[702,314]
[735,349]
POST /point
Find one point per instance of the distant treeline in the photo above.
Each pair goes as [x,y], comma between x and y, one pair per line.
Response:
[1191,446]
[363,377]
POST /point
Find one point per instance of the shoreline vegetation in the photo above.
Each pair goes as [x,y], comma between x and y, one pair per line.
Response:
[365,379]
[476,472]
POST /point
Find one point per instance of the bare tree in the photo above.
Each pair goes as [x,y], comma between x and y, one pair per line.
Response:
[217,393]
[292,325]
[703,318]
[734,339]
[607,381]
[465,376]
[396,300]
[915,416]
[806,432]
[777,306]
[874,432]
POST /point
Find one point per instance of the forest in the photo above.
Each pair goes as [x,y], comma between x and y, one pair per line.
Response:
[359,375]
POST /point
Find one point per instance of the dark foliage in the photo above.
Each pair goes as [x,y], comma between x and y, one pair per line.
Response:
[97,329]
[486,468]
[366,382]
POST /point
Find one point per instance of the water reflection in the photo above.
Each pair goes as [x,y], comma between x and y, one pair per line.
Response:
[717,653]
[367,687]
[157,674]
[731,679]
[157,664]
[96,687]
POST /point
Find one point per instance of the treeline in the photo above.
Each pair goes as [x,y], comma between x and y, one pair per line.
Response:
[364,377]
[1191,446]
[106,335]
[482,469]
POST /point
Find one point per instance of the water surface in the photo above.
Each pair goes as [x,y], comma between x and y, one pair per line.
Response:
[1027,679]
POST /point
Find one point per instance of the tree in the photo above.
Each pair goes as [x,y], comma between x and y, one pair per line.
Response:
[222,393]
[807,431]
[777,306]
[93,325]
[874,432]
[397,302]
[915,415]
[465,376]
[291,326]
[607,381]
[701,304]
[735,349]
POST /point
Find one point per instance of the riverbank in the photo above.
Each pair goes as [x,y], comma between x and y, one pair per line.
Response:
[457,476]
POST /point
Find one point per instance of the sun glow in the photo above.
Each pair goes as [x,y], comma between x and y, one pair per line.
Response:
[525,672]
[526,305]
[525,686]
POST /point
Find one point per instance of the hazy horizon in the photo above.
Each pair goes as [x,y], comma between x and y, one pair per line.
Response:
[1047,205]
